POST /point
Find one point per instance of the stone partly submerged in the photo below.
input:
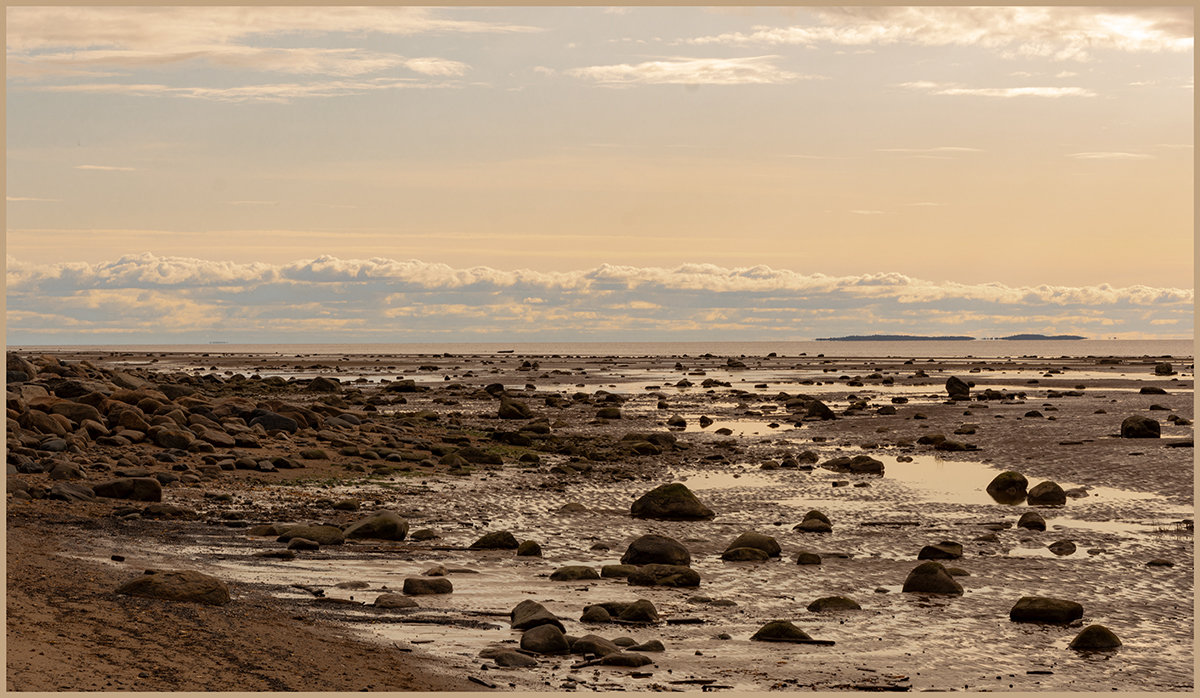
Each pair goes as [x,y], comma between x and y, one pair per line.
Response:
[1046,493]
[672,502]
[177,585]
[1043,609]
[1095,638]
[931,578]
[785,631]
[382,525]
[655,549]
[1009,487]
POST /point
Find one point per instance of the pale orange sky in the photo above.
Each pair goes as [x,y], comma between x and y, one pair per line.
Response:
[1017,146]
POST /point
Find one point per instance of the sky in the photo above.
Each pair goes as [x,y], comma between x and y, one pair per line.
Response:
[301,174]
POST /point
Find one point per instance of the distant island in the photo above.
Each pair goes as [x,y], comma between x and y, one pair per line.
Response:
[940,338]
[895,338]
[1043,336]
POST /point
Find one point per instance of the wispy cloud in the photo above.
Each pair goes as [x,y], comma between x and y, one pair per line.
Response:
[1062,33]
[275,92]
[937,149]
[28,198]
[955,89]
[150,296]
[867,212]
[751,70]
[105,168]
[176,29]
[252,202]
[1110,156]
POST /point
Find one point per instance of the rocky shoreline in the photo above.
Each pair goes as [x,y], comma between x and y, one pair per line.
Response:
[384,522]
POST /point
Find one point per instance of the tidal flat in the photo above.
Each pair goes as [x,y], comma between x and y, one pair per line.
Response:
[216,462]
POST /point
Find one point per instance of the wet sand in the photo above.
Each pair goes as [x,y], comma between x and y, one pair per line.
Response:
[1138,508]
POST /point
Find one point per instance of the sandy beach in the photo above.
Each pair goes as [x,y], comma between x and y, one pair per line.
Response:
[555,450]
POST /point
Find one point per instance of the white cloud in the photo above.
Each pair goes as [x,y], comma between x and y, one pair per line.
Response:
[751,70]
[105,168]
[28,198]
[1110,156]
[175,29]
[866,212]
[276,92]
[938,149]
[955,89]
[146,297]
[1062,33]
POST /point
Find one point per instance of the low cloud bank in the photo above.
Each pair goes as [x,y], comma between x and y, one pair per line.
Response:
[146,298]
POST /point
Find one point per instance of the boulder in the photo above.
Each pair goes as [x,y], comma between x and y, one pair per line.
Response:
[640,611]
[759,541]
[529,548]
[418,586]
[1062,547]
[65,491]
[946,550]
[303,544]
[672,502]
[780,631]
[513,659]
[595,614]
[273,421]
[931,578]
[322,384]
[649,646]
[861,464]
[496,540]
[325,535]
[1139,427]
[177,585]
[594,644]
[957,388]
[1163,369]
[545,639]
[665,576]
[382,525]
[529,614]
[514,409]
[1094,638]
[1032,521]
[834,603]
[1043,609]
[805,557]
[745,555]
[1046,493]
[814,524]
[655,549]
[625,659]
[1008,487]
[617,571]
[142,489]
[571,573]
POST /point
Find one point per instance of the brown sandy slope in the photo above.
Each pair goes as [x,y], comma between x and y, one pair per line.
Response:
[67,630]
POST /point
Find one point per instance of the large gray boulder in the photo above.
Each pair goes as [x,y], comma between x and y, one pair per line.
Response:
[1095,638]
[382,525]
[665,576]
[957,388]
[655,549]
[177,585]
[1043,609]
[545,639]
[931,578]
[1046,493]
[759,541]
[419,586]
[142,489]
[1008,487]
[324,535]
[672,502]
[1139,427]
[529,614]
